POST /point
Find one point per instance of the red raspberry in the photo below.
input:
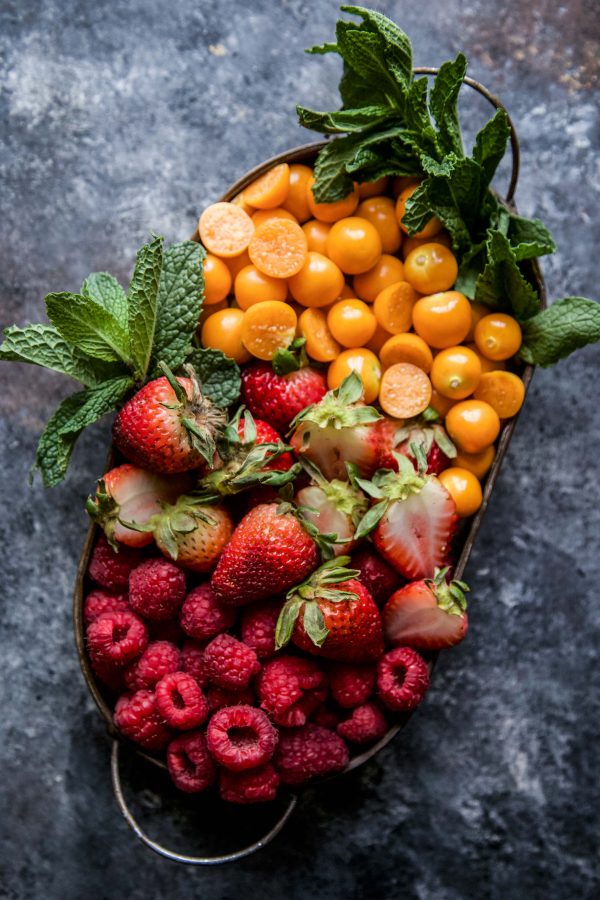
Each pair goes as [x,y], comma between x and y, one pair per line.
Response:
[326,717]
[351,685]
[110,675]
[166,631]
[241,737]
[157,660]
[379,578]
[101,601]
[110,569]
[366,724]
[402,679]
[258,627]
[253,786]
[190,765]
[137,717]
[308,752]
[229,663]
[116,638]
[192,662]
[290,689]
[202,616]
[156,589]
[219,697]
[180,701]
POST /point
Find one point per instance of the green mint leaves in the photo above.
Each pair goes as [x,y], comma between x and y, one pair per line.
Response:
[392,123]
[111,341]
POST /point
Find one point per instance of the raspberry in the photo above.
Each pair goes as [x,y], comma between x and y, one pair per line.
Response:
[241,737]
[308,752]
[326,717]
[110,569]
[192,662]
[290,689]
[218,697]
[253,786]
[351,685]
[229,663]
[110,675]
[166,631]
[157,660]
[116,638]
[101,601]
[190,764]
[137,717]
[156,589]
[402,679]
[258,627]
[202,616]
[180,701]
[366,724]
[379,578]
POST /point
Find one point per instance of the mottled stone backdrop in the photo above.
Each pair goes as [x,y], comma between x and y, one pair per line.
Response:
[119,118]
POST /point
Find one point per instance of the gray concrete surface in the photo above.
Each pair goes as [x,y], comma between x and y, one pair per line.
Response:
[119,118]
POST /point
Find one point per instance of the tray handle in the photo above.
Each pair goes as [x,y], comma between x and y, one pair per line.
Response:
[180,857]
[491,98]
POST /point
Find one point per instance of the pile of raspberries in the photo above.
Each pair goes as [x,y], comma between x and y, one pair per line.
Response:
[205,684]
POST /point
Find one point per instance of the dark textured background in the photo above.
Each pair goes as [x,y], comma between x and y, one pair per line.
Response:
[123,117]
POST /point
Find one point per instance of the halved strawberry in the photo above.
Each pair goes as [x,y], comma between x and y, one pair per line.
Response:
[339,430]
[334,507]
[412,521]
[424,434]
[429,614]
[128,493]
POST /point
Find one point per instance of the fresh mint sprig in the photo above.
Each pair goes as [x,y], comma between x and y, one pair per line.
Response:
[391,123]
[111,342]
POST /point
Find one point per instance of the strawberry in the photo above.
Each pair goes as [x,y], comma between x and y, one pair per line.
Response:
[168,426]
[339,430]
[127,492]
[334,507]
[413,520]
[268,552]
[276,397]
[429,614]
[426,432]
[263,434]
[191,532]
[332,615]
[250,453]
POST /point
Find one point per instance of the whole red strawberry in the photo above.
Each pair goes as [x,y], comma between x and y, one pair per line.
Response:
[130,493]
[339,430]
[412,521]
[168,426]
[332,615]
[379,578]
[277,399]
[269,551]
[263,433]
[428,615]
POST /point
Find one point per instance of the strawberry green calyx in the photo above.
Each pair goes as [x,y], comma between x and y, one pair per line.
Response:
[245,463]
[104,510]
[306,597]
[449,596]
[346,496]
[202,420]
[338,408]
[182,517]
[388,487]
[291,358]
[426,430]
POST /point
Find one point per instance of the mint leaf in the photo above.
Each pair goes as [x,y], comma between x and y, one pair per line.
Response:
[179,304]
[42,345]
[471,267]
[219,376]
[357,92]
[529,237]
[64,427]
[88,326]
[342,122]
[393,45]
[556,332]
[332,182]
[142,301]
[490,145]
[502,284]
[433,197]
[107,291]
[443,104]
[322,49]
